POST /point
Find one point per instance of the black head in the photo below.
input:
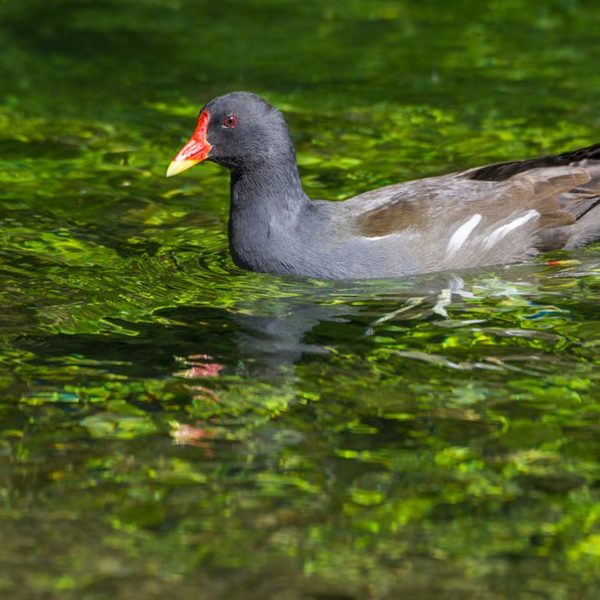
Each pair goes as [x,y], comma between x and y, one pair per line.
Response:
[239,131]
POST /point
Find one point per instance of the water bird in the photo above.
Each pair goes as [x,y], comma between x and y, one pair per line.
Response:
[495,214]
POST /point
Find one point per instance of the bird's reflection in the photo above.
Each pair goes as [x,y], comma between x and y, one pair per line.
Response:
[271,336]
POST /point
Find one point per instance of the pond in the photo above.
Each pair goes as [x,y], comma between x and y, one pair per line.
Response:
[173,426]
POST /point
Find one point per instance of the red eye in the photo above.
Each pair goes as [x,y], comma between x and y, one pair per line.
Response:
[230,121]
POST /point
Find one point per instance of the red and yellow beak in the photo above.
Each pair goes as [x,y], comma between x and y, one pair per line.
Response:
[196,150]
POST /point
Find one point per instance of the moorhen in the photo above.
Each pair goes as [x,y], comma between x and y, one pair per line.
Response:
[489,215]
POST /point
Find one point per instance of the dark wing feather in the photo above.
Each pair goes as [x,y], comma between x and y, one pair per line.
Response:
[504,170]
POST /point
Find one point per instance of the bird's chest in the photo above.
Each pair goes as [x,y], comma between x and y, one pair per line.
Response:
[261,244]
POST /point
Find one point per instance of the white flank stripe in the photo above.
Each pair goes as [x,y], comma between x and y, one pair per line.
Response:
[501,232]
[459,237]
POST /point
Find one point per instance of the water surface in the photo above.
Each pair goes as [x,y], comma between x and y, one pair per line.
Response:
[172,426]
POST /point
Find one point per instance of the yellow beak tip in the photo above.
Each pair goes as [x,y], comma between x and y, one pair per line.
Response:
[179,166]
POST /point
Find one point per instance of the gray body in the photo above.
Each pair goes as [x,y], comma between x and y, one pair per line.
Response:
[452,222]
[486,216]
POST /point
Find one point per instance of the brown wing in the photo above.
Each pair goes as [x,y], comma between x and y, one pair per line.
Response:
[400,212]
[561,195]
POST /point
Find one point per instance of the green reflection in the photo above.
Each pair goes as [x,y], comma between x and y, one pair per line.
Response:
[172,426]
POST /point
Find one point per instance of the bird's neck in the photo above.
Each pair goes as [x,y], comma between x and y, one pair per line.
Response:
[267,202]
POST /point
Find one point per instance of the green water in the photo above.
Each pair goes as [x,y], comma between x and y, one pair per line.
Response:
[174,427]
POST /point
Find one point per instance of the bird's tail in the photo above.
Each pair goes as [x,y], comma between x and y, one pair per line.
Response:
[583,203]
